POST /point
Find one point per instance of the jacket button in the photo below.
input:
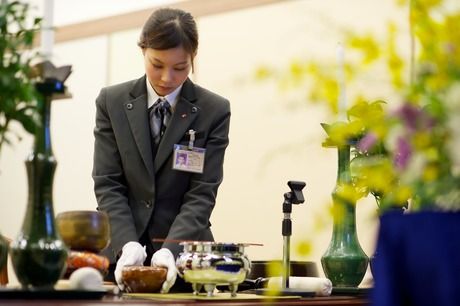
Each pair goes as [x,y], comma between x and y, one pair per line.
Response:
[129,106]
[148,204]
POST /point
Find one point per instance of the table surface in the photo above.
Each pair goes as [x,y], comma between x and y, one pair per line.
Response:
[114,300]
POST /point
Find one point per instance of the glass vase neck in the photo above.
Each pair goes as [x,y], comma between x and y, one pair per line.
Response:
[343,169]
[42,143]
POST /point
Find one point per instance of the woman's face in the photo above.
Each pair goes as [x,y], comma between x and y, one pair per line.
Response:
[167,69]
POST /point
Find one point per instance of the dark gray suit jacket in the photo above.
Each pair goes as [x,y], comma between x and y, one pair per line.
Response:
[140,191]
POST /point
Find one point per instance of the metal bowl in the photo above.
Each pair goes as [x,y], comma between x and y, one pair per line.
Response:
[84,230]
[208,264]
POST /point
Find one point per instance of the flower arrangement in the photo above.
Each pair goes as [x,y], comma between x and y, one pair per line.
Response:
[411,149]
[402,151]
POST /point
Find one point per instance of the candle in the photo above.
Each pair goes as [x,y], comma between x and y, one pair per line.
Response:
[342,97]
[47,33]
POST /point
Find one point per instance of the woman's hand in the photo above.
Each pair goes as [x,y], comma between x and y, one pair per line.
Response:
[164,258]
[132,253]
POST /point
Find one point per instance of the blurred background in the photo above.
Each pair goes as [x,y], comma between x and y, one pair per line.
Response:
[275,133]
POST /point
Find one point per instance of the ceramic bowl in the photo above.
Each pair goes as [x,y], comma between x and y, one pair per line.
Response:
[82,259]
[84,230]
[143,279]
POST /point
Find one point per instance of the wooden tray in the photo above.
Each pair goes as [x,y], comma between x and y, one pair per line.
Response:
[220,296]
[24,294]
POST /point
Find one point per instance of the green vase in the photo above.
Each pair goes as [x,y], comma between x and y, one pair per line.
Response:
[344,262]
[38,255]
[3,252]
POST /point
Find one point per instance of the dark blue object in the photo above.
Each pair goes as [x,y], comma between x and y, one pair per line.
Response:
[418,260]
[230,268]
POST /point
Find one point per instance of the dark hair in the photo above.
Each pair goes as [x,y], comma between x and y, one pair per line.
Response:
[169,28]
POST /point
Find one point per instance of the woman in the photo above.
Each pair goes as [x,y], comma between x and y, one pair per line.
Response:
[141,127]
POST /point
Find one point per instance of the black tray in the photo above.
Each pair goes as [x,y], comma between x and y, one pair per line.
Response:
[285,292]
[355,291]
[50,294]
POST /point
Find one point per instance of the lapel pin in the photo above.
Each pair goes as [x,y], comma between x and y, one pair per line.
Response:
[194,109]
[129,106]
[183,115]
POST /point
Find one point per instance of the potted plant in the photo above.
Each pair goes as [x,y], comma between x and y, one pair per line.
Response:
[409,151]
[17,90]
[417,261]
[405,153]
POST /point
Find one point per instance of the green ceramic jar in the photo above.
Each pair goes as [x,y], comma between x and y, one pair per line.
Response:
[344,262]
[3,252]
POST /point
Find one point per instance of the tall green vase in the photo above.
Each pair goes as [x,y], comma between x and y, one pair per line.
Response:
[344,262]
[38,255]
[3,252]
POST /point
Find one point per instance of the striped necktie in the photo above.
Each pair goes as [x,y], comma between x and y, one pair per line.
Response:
[159,115]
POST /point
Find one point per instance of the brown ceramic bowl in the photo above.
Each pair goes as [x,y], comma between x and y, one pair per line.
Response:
[143,279]
[84,230]
[81,259]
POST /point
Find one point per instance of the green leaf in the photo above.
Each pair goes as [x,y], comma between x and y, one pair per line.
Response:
[28,122]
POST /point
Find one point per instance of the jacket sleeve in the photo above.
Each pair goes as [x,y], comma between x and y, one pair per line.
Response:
[110,185]
[199,200]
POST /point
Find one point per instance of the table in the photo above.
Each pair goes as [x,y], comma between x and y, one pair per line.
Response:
[111,300]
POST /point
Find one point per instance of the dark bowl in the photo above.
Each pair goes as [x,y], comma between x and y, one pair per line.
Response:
[84,230]
[260,268]
[143,279]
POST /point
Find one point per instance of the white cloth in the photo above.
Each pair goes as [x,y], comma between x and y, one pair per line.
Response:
[321,286]
[132,254]
[164,258]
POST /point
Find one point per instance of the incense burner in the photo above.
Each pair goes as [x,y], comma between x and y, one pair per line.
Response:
[208,264]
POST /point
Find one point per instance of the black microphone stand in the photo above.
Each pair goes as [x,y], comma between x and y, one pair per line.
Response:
[294,196]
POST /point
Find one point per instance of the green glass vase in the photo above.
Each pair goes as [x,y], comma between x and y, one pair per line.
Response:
[344,262]
[3,252]
[38,255]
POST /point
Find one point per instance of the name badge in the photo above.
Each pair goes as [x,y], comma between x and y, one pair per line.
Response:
[189,158]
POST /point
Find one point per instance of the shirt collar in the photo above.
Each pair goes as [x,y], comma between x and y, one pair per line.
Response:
[152,96]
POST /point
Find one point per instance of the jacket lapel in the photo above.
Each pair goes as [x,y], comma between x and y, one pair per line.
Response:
[137,114]
[184,114]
